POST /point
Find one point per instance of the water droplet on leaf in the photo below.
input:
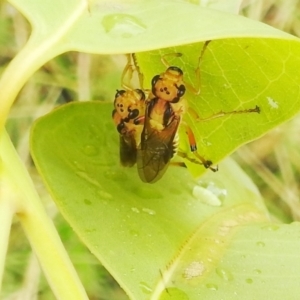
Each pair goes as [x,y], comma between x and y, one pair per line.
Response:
[260,244]
[212,287]
[134,233]
[87,202]
[209,192]
[249,280]
[149,211]
[145,288]
[135,209]
[122,25]
[224,274]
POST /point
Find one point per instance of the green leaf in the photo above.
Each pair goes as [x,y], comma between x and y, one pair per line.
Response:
[236,74]
[123,27]
[239,70]
[230,6]
[262,262]
[189,236]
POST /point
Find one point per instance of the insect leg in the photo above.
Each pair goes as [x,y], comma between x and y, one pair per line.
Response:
[165,62]
[127,74]
[198,70]
[194,161]
[180,164]
[193,89]
[220,114]
[193,146]
[138,70]
[197,88]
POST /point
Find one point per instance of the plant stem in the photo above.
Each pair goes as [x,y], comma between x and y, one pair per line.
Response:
[38,227]
[6,214]
[40,48]
[31,280]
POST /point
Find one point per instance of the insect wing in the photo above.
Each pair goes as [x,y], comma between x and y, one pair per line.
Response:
[128,150]
[156,150]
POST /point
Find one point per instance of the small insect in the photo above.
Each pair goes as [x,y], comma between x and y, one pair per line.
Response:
[159,139]
[148,122]
[128,116]
[163,115]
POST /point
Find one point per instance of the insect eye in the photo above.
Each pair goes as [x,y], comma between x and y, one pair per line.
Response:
[141,93]
[180,90]
[154,80]
[113,113]
[120,127]
[176,69]
[133,114]
[119,93]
